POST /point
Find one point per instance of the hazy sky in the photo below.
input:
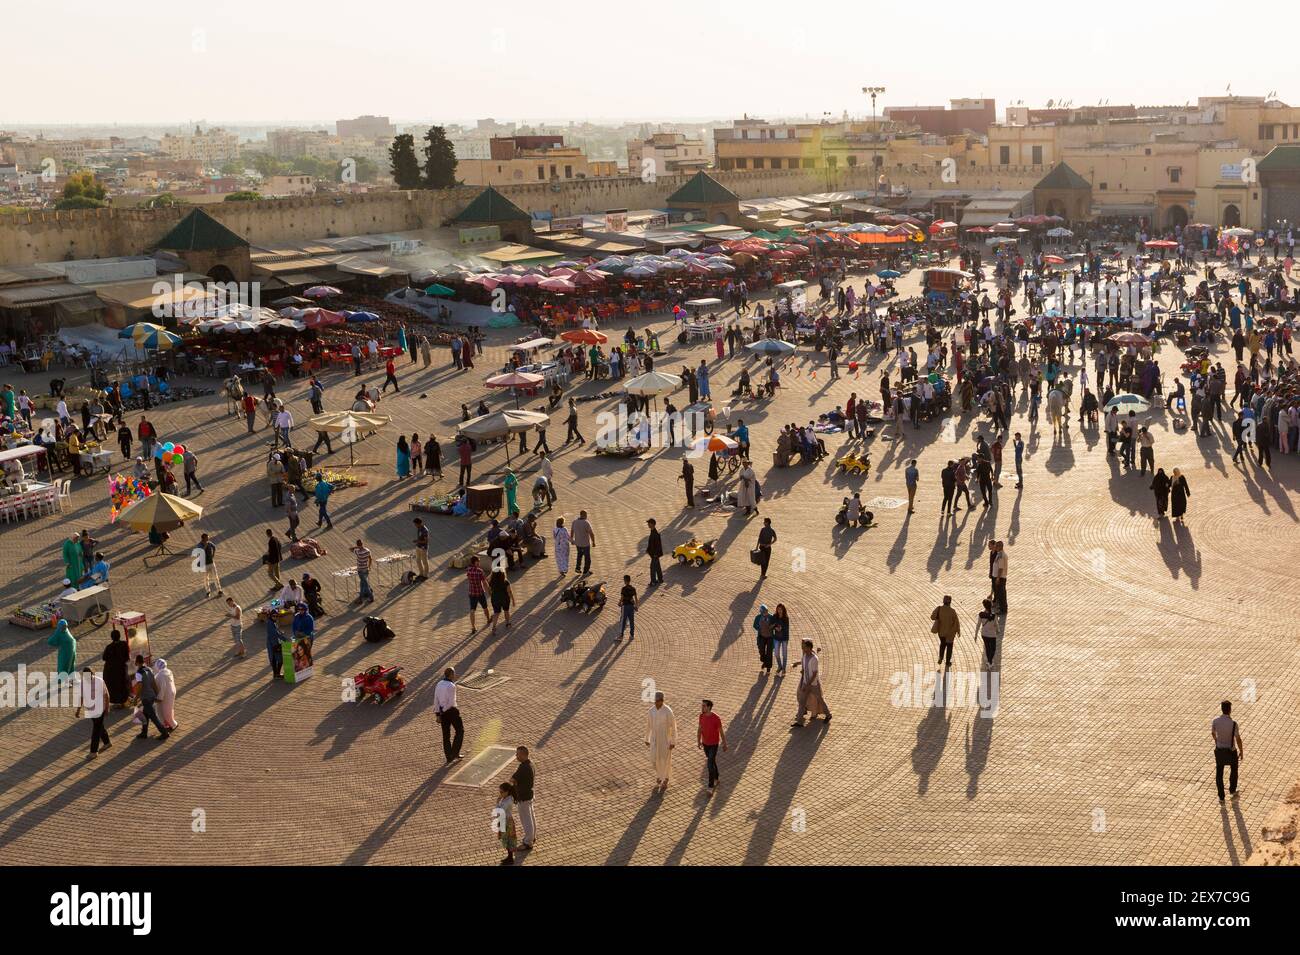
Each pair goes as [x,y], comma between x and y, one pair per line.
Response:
[73,61]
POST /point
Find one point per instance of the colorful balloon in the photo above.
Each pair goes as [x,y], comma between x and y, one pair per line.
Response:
[169,446]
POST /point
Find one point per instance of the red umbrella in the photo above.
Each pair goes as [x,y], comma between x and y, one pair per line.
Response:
[1162,244]
[585,336]
[316,317]
[978,228]
[588,277]
[1053,260]
[557,285]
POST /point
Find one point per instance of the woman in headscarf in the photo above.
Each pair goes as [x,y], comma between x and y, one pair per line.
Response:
[433,456]
[1179,492]
[561,536]
[511,484]
[117,663]
[66,644]
[417,455]
[403,457]
[166,681]
[73,563]
[1161,484]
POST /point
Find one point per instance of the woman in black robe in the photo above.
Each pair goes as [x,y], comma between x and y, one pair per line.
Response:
[433,457]
[115,658]
[1161,485]
[1179,492]
[311,590]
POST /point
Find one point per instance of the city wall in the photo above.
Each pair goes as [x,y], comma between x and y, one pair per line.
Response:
[47,236]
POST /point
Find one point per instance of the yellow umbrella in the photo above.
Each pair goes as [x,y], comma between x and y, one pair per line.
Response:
[158,512]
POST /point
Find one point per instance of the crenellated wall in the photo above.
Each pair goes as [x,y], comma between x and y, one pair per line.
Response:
[28,237]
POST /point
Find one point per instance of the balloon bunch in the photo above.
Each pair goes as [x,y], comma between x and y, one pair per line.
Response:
[169,453]
[123,491]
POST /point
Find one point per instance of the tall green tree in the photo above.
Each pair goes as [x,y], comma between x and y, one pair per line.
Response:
[405,167]
[82,191]
[439,159]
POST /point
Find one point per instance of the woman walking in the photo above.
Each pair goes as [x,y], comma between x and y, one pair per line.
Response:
[117,662]
[503,821]
[780,638]
[988,629]
[511,484]
[417,455]
[1161,485]
[1179,492]
[166,680]
[502,597]
[403,457]
[433,458]
[561,536]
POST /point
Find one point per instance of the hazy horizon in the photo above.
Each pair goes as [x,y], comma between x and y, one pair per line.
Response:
[675,59]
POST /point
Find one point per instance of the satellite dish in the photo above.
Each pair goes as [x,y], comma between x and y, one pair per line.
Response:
[689,217]
[1049,103]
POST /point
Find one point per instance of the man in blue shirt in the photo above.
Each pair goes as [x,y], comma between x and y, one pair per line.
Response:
[99,570]
[322,492]
[304,624]
[1019,446]
[912,475]
[741,434]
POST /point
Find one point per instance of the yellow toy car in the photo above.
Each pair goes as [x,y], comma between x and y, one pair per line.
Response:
[695,552]
[853,464]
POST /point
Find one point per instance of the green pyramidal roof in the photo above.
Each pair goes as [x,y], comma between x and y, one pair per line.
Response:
[199,231]
[490,206]
[703,188]
[1280,158]
[1063,177]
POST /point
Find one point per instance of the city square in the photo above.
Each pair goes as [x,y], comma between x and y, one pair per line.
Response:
[1122,635]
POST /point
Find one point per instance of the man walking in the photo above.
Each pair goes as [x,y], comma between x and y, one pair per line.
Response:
[661,737]
[572,422]
[654,550]
[688,475]
[912,475]
[322,495]
[362,554]
[466,462]
[948,478]
[390,377]
[148,697]
[272,559]
[1229,750]
[1146,449]
[211,578]
[448,715]
[283,425]
[709,737]
[523,783]
[627,603]
[421,550]
[766,538]
[476,580]
[999,575]
[584,538]
[190,466]
[1019,447]
[947,626]
[95,697]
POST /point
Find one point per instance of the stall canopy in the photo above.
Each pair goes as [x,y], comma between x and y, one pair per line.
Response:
[531,344]
[26,451]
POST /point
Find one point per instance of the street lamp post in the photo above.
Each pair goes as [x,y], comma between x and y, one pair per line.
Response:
[873,92]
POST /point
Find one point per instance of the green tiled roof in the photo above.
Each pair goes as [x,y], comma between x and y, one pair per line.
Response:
[703,188]
[490,206]
[1063,177]
[199,231]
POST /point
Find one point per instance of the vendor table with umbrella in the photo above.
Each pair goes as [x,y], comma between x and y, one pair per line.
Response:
[516,381]
[159,514]
[502,424]
[585,336]
[349,425]
[652,384]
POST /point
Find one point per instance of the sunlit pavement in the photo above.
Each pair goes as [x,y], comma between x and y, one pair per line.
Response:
[1122,637]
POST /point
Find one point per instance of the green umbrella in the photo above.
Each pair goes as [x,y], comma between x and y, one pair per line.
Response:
[440,290]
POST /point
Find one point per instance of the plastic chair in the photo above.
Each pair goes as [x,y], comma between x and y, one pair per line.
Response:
[64,492]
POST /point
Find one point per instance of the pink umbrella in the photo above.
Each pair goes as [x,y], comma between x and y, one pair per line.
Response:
[321,291]
[588,278]
[316,317]
[515,379]
[529,279]
[557,285]
[562,273]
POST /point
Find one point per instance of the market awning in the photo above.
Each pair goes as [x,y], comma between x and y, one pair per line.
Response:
[25,451]
[81,305]
[26,296]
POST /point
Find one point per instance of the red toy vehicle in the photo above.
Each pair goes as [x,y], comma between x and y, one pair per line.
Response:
[379,684]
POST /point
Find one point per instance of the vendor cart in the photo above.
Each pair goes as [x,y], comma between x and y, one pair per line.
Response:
[92,604]
[135,631]
[484,499]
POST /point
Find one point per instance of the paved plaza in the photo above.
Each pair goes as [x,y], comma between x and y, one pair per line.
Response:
[1123,635]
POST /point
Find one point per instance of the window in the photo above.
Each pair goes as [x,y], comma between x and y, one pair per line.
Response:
[832,162]
[853,161]
[1265,131]
[810,164]
[1101,186]
[1175,174]
[728,164]
[498,170]
[1004,155]
[758,162]
[541,172]
[1037,156]
[552,170]
[568,172]
[1146,152]
[742,163]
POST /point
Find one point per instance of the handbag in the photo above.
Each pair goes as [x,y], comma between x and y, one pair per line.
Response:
[756,555]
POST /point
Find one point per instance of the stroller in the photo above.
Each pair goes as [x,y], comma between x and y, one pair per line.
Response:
[584,595]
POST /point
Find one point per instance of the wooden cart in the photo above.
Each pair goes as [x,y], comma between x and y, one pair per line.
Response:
[484,499]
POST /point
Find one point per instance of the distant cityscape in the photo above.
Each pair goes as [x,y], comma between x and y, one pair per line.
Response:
[1168,164]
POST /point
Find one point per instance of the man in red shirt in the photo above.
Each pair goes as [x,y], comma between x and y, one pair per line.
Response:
[250,411]
[708,738]
[477,591]
[147,435]
[390,377]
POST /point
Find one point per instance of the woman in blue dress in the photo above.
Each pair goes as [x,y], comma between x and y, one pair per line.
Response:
[403,457]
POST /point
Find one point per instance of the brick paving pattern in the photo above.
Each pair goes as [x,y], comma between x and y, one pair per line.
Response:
[1122,637]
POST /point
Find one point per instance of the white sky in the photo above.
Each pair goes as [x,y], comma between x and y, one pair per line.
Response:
[74,61]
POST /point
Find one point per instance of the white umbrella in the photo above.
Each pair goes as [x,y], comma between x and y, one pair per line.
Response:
[652,383]
[1059,233]
[350,424]
[1126,403]
[770,346]
[1237,232]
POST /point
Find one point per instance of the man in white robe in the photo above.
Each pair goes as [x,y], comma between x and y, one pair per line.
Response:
[661,737]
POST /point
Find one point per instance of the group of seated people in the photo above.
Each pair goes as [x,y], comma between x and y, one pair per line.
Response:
[801,441]
[516,537]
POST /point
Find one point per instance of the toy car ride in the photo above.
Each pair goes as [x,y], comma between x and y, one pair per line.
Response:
[379,684]
[584,595]
[696,552]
